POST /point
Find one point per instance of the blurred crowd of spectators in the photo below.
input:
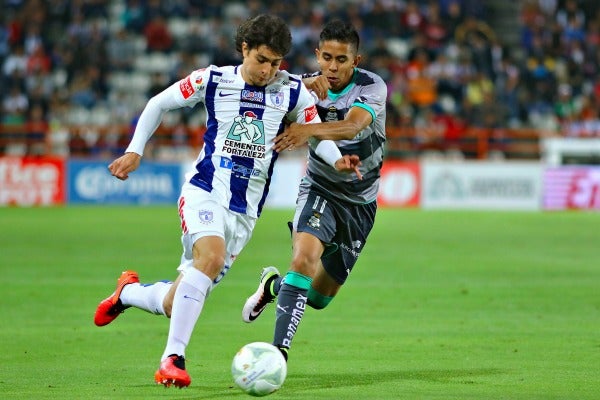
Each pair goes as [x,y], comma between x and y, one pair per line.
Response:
[92,63]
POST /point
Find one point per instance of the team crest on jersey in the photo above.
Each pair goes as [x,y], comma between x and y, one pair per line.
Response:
[246,137]
[276,97]
[332,114]
[206,216]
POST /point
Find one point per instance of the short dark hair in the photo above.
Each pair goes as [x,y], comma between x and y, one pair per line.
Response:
[265,29]
[340,31]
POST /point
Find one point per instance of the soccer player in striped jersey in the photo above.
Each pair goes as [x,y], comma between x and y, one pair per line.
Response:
[247,106]
[335,212]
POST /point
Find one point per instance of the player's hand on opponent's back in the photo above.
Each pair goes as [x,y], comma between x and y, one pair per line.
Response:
[122,166]
[349,163]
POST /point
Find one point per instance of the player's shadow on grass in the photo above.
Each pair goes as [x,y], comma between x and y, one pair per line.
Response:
[303,382]
[297,384]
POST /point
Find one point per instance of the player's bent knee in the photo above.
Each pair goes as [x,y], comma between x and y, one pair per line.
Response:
[210,265]
[318,301]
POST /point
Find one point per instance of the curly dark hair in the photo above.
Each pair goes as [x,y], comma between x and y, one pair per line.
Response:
[265,29]
[340,31]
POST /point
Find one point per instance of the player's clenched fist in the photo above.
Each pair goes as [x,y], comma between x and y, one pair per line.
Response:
[122,166]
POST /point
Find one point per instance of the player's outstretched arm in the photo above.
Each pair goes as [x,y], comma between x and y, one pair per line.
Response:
[148,122]
[296,135]
[122,166]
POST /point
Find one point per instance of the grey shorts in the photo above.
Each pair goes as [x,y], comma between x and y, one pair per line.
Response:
[342,227]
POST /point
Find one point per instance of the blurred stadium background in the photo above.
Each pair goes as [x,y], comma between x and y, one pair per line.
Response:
[492,104]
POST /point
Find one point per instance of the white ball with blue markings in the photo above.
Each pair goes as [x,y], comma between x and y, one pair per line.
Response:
[259,368]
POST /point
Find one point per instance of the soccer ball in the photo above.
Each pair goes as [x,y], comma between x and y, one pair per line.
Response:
[259,368]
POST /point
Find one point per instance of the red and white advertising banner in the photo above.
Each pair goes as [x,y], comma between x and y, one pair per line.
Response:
[400,185]
[32,181]
[572,187]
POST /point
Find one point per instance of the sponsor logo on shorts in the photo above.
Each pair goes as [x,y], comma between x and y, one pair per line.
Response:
[206,216]
[350,250]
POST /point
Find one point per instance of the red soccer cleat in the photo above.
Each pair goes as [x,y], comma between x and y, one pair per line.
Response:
[111,307]
[172,372]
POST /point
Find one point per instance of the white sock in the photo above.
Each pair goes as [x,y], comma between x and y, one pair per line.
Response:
[187,306]
[147,297]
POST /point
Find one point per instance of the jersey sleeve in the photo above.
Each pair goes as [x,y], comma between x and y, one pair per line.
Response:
[372,98]
[185,93]
[192,88]
[305,111]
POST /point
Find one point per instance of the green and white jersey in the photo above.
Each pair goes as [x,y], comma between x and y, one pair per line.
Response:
[368,91]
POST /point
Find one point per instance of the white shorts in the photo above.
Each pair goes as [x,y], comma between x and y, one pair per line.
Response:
[201,215]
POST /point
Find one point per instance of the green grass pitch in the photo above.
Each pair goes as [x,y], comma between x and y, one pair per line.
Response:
[441,305]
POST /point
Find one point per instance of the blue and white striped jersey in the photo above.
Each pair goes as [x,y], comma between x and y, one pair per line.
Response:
[237,159]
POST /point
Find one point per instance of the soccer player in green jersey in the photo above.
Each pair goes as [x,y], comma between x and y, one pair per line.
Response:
[335,212]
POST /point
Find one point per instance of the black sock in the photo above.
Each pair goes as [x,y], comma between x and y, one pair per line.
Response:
[291,304]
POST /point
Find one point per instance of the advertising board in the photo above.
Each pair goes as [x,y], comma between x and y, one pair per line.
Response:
[36,181]
[152,183]
[572,187]
[482,185]
[400,184]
